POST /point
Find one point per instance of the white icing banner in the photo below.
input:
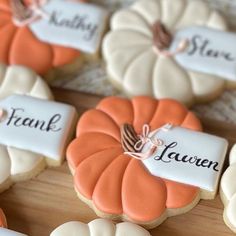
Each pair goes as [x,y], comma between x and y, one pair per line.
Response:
[36,125]
[71,24]
[210,51]
[7,232]
[188,157]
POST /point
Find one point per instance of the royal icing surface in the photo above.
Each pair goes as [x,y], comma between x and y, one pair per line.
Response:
[20,164]
[99,227]
[15,41]
[71,24]
[228,191]
[7,232]
[187,157]
[132,42]
[119,184]
[25,117]
[210,51]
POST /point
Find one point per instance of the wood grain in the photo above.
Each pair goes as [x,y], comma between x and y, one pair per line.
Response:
[37,206]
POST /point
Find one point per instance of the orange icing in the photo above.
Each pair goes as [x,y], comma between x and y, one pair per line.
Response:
[116,183]
[3,222]
[20,46]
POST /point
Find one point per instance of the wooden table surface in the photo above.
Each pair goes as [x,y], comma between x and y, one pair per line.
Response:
[37,206]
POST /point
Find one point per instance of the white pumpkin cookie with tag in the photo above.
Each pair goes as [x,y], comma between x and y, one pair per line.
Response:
[142,60]
[34,130]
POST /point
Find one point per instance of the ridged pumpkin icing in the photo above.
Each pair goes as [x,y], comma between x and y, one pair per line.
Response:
[99,227]
[133,64]
[20,46]
[114,183]
[228,191]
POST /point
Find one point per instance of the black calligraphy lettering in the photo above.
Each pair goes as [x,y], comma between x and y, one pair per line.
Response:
[76,22]
[203,47]
[168,155]
[18,120]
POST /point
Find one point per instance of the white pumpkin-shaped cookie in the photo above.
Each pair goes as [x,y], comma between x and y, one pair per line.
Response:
[133,63]
[99,227]
[18,164]
[228,191]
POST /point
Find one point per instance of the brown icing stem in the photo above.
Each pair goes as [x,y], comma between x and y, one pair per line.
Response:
[162,38]
[20,10]
[128,138]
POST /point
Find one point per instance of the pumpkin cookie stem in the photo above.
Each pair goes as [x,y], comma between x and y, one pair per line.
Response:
[20,10]
[162,38]
[128,138]
[24,14]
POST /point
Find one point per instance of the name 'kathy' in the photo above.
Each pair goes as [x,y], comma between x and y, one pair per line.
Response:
[76,22]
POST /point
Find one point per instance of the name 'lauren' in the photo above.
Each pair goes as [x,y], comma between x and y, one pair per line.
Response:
[202,47]
[16,119]
[167,156]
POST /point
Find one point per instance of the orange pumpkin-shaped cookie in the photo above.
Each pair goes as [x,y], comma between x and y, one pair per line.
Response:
[19,46]
[115,184]
[3,222]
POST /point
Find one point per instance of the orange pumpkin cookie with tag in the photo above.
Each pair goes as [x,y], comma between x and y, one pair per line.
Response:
[20,46]
[110,178]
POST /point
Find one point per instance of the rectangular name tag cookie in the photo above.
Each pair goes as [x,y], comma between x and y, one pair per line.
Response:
[36,125]
[186,156]
[71,24]
[209,51]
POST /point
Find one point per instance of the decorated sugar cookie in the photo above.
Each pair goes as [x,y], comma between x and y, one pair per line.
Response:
[145,158]
[228,192]
[99,227]
[3,224]
[34,130]
[170,49]
[48,35]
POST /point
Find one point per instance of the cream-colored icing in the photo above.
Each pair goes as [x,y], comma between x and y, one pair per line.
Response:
[5,164]
[162,69]
[130,229]
[232,156]
[22,161]
[129,44]
[20,80]
[228,191]
[99,227]
[17,164]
